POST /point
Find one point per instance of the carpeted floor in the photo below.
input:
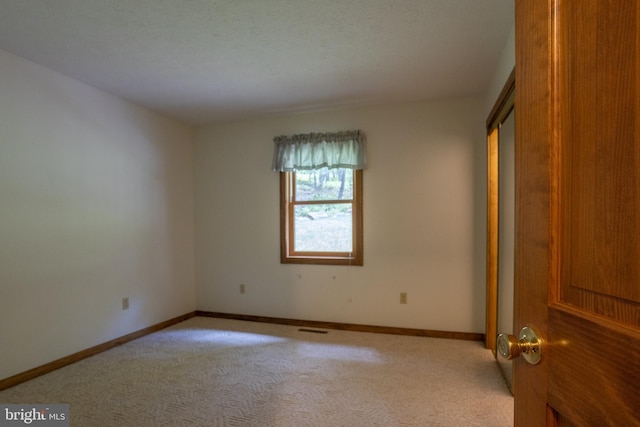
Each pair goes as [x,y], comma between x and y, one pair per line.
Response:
[219,372]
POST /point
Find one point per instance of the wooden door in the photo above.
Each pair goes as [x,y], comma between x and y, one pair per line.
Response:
[578,211]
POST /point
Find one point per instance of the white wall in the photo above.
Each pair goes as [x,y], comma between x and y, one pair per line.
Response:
[503,69]
[96,204]
[424,220]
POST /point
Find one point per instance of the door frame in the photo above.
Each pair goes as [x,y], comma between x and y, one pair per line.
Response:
[503,106]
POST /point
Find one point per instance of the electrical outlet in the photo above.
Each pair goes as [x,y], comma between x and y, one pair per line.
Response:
[242,288]
[403,297]
[125,303]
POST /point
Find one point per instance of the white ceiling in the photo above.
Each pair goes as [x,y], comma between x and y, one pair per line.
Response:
[205,61]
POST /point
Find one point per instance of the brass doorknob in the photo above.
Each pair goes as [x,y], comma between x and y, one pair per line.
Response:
[526,344]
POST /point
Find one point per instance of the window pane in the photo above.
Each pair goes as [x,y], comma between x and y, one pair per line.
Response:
[323,228]
[324,184]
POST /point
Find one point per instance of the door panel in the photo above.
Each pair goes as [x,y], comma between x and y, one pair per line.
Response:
[593,371]
[596,314]
[600,148]
[577,210]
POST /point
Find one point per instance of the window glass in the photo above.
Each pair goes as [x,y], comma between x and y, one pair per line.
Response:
[321,216]
[323,228]
[324,184]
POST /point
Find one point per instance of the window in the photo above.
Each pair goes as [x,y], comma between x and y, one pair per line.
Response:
[321,216]
[320,197]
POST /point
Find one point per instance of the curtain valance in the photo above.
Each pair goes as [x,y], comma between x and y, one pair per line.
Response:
[318,150]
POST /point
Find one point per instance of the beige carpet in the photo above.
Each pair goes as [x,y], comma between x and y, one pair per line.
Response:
[218,372]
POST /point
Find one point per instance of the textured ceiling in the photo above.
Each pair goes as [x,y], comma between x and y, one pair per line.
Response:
[205,61]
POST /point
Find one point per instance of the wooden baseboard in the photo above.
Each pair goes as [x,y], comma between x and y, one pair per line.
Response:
[67,360]
[468,336]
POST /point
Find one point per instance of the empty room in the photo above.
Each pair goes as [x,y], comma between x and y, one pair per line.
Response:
[279,212]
